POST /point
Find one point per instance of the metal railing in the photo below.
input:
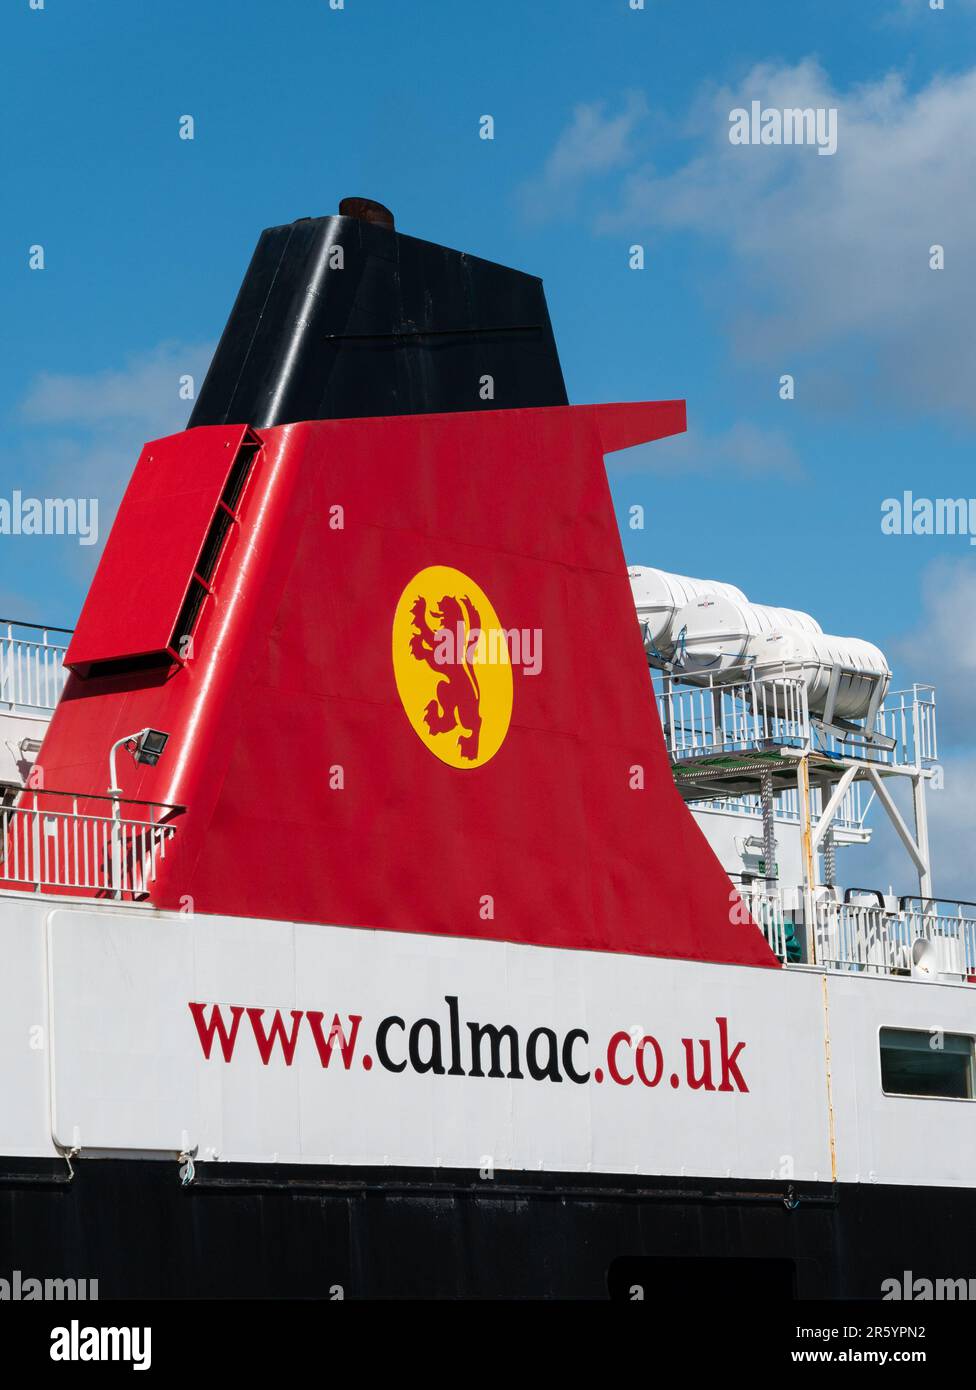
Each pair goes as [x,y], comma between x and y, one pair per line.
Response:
[82,844]
[906,719]
[943,922]
[769,709]
[912,936]
[715,717]
[768,912]
[849,818]
[32,674]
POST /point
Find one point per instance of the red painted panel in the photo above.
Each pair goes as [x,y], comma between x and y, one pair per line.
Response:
[141,582]
[309,794]
[624,424]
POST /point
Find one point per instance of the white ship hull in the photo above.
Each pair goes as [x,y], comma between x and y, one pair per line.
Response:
[105,1055]
[129,1156]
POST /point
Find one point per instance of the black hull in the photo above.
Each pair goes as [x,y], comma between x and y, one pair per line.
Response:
[257,1232]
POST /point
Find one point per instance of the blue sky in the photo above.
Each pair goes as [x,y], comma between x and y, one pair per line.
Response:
[611,128]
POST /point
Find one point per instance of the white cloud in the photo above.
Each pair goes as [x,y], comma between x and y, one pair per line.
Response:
[144,393]
[593,143]
[952,834]
[82,433]
[831,254]
[952,829]
[941,650]
[744,450]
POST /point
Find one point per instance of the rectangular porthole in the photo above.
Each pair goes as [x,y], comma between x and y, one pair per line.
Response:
[915,1062]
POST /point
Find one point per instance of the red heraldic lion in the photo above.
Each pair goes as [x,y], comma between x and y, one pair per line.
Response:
[457,703]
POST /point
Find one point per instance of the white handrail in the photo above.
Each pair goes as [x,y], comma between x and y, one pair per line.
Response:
[48,843]
[768,708]
[870,938]
[32,673]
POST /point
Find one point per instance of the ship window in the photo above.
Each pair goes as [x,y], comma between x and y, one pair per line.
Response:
[926,1063]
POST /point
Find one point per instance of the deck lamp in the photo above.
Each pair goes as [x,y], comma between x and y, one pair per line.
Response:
[146,747]
[149,746]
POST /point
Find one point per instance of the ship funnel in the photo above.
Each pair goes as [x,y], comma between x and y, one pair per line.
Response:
[342,317]
[276,593]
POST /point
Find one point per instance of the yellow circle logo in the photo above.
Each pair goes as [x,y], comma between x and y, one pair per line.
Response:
[452,666]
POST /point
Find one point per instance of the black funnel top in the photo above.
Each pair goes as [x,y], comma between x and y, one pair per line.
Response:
[344,316]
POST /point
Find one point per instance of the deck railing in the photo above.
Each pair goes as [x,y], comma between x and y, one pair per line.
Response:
[906,723]
[32,674]
[91,846]
[715,718]
[848,819]
[769,709]
[912,936]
